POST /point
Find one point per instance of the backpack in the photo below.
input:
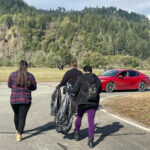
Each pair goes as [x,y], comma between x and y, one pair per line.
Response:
[92,93]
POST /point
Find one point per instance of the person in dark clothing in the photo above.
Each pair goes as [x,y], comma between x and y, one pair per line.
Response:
[71,75]
[22,83]
[84,104]
[70,78]
[62,67]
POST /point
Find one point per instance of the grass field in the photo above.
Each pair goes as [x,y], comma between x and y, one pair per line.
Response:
[134,106]
[41,74]
[46,74]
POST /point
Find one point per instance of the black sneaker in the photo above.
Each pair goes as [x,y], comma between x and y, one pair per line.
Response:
[90,143]
[76,135]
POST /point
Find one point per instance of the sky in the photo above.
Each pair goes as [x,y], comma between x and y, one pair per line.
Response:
[138,6]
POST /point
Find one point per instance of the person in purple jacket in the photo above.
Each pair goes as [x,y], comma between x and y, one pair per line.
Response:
[21,83]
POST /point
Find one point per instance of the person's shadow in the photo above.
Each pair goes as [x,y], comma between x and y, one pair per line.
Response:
[38,130]
[104,131]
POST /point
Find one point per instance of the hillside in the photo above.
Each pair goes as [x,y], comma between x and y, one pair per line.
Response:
[14,6]
[99,36]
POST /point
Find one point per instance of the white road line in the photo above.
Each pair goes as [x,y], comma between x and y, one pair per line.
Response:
[120,118]
[117,95]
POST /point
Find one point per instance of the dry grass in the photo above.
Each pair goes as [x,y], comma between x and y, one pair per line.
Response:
[41,74]
[134,106]
[45,74]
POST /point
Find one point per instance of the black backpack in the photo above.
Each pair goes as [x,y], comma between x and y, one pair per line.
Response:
[92,92]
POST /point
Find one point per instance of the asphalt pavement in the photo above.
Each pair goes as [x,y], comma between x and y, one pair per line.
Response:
[40,132]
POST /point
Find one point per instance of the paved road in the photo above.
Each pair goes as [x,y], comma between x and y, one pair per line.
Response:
[40,133]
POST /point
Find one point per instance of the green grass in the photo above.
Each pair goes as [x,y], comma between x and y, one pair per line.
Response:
[46,74]
[41,74]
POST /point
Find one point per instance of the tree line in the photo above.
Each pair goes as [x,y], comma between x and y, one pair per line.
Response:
[58,36]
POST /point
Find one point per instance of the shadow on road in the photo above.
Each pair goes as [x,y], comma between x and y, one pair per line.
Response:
[106,131]
[48,126]
[102,131]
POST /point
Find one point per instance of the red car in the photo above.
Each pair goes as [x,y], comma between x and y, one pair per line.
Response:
[124,79]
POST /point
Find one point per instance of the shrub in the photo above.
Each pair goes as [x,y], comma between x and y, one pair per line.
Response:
[94,59]
[5,62]
[122,61]
[19,56]
[52,60]
[66,56]
[39,59]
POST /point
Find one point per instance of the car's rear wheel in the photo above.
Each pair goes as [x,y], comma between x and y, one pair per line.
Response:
[142,86]
[110,87]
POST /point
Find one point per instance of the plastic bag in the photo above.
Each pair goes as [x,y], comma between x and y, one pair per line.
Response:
[55,102]
[64,116]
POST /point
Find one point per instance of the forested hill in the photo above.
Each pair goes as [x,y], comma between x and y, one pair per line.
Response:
[14,6]
[99,36]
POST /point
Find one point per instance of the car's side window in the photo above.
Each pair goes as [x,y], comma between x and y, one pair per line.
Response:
[133,73]
[124,73]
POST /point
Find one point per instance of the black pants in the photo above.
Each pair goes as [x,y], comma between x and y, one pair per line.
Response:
[20,113]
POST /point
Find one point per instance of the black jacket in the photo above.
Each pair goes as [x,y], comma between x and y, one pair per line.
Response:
[82,86]
[70,77]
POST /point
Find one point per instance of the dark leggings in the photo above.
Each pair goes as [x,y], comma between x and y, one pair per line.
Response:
[90,115]
[20,113]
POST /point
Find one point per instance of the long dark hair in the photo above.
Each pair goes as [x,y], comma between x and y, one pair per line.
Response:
[22,78]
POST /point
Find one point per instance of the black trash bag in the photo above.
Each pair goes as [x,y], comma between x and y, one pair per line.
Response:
[55,102]
[64,90]
[64,116]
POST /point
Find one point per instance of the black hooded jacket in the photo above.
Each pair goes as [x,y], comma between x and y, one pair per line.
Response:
[81,87]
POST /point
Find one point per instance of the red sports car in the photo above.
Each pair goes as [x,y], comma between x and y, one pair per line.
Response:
[124,79]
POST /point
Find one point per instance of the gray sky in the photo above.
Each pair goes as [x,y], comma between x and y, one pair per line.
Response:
[138,6]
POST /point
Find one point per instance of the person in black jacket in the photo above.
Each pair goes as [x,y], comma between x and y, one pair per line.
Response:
[71,75]
[70,78]
[84,104]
